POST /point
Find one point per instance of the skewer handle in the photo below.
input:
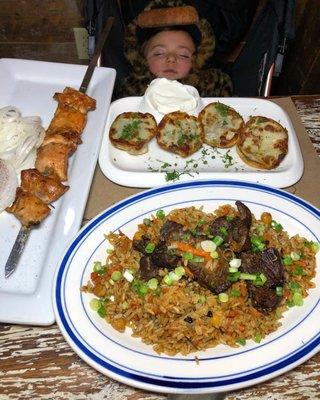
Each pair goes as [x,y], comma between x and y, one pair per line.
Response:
[16,251]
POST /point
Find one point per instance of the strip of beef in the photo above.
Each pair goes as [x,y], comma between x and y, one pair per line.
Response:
[267,262]
[161,257]
[235,232]
[213,275]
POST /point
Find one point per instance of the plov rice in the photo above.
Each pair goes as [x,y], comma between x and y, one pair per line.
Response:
[191,280]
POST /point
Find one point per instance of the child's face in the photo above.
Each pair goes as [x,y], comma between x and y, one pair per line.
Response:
[170,54]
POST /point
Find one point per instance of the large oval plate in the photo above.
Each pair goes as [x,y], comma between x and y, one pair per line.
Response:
[222,368]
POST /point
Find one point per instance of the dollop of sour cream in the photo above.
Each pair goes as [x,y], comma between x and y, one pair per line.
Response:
[166,96]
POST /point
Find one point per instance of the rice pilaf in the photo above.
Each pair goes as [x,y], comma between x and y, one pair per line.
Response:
[174,307]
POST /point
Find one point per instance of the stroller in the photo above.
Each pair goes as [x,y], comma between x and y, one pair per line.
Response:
[251,37]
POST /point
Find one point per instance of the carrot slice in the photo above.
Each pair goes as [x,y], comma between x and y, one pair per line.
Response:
[190,249]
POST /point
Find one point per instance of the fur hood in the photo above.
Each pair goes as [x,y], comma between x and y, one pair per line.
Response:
[209,82]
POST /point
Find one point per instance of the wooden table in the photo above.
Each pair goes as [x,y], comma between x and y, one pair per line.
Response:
[37,363]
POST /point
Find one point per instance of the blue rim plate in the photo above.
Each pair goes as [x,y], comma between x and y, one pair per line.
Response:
[222,368]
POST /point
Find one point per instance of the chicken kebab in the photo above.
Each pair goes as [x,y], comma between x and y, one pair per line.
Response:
[44,184]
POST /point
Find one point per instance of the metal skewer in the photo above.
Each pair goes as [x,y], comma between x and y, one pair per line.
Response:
[25,231]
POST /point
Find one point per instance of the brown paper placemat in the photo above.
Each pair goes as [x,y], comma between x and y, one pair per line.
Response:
[104,193]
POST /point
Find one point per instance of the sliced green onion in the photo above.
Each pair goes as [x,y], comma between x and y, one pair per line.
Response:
[116,276]
[167,279]
[102,312]
[202,299]
[295,256]
[248,277]
[257,243]
[187,256]
[218,240]
[197,259]
[223,297]
[111,281]
[150,248]
[208,245]
[232,270]
[179,271]
[295,287]
[223,230]
[235,263]
[125,305]
[299,271]
[313,245]
[242,342]
[229,217]
[287,260]
[128,275]
[214,255]
[276,226]
[160,214]
[142,289]
[257,338]
[97,265]
[95,304]
[297,299]
[260,280]
[110,251]
[152,283]
[147,221]
[234,277]
[235,293]
[279,291]
[174,276]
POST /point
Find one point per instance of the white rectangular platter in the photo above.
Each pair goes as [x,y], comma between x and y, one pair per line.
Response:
[25,297]
[158,167]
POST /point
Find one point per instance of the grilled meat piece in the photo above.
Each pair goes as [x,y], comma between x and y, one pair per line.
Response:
[164,257]
[213,275]
[235,232]
[52,160]
[67,118]
[140,245]
[45,188]
[269,263]
[68,137]
[147,268]
[75,99]
[28,208]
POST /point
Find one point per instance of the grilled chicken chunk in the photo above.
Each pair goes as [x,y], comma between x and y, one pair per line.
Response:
[73,98]
[68,137]
[45,188]
[52,160]
[67,118]
[28,208]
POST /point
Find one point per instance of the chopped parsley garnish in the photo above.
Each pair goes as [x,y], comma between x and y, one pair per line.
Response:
[222,109]
[129,129]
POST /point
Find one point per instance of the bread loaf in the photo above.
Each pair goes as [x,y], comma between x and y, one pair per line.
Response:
[169,16]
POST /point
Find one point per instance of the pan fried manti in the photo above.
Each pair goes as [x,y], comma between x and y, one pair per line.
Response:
[42,185]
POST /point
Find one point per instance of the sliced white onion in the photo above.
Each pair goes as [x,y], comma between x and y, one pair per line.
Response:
[18,135]
[8,184]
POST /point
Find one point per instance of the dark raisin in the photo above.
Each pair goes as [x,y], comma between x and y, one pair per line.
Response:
[189,319]
[209,314]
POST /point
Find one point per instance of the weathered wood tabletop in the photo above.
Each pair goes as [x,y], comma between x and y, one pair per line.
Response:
[37,363]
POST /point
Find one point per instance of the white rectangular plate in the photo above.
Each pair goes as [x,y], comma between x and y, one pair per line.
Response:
[25,297]
[153,168]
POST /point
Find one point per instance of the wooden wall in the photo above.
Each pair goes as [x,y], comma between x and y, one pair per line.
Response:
[39,29]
